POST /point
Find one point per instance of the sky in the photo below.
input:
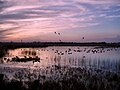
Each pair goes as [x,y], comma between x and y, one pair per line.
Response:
[38,20]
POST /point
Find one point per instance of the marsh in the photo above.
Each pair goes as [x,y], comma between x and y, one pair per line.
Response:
[69,67]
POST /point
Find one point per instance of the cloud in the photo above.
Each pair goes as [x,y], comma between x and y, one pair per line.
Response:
[102,15]
[6,32]
[37,17]
[114,16]
[99,1]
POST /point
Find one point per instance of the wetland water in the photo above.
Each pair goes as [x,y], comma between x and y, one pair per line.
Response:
[88,57]
[63,63]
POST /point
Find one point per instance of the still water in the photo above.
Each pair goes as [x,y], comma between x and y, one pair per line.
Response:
[106,59]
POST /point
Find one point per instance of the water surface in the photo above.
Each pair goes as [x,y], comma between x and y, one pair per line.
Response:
[107,59]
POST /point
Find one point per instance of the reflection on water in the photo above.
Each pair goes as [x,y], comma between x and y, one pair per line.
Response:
[87,57]
[66,68]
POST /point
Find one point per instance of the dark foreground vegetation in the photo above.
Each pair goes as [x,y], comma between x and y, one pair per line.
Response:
[3,51]
[25,59]
[62,78]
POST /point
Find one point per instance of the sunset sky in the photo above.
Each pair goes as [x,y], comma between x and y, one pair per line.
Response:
[38,20]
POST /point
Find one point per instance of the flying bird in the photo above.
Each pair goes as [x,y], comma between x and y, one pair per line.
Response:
[60,40]
[83,38]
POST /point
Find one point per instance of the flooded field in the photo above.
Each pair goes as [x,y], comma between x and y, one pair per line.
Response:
[64,68]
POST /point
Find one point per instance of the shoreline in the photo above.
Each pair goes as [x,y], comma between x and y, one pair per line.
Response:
[14,45]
